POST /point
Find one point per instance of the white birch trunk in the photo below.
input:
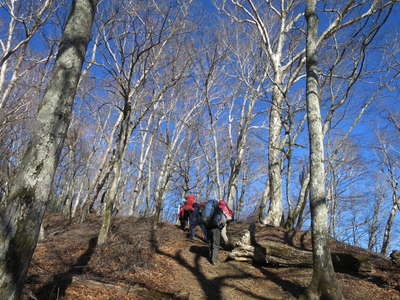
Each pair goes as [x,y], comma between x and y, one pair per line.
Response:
[146,146]
[275,211]
[389,223]
[76,202]
[262,214]
[246,116]
[324,284]
[216,153]
[101,172]
[295,213]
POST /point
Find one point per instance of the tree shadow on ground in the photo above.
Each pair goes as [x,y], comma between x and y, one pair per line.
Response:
[292,288]
[212,288]
[56,288]
[200,250]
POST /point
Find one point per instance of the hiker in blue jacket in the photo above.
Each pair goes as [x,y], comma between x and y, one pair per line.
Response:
[195,220]
[215,216]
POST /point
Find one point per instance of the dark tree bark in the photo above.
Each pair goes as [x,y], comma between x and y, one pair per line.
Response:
[323,284]
[22,210]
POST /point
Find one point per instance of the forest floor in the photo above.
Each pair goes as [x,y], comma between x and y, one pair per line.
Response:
[141,263]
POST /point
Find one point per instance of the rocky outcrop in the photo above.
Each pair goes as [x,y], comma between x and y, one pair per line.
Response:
[272,248]
[395,257]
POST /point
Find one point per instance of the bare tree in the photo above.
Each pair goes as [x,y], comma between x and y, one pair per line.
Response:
[19,66]
[297,212]
[373,224]
[22,209]
[173,139]
[390,167]
[275,27]
[133,59]
[323,284]
[148,135]
[250,76]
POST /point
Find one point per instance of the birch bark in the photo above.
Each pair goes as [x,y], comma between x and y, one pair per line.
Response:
[323,284]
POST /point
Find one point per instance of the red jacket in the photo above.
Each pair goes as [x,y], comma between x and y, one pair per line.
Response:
[188,205]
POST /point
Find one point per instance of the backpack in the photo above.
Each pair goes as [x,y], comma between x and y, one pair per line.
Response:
[218,219]
[208,212]
[223,206]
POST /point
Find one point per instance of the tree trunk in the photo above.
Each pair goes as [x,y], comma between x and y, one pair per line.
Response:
[373,225]
[111,193]
[216,152]
[300,218]
[295,213]
[101,176]
[388,227]
[236,164]
[78,196]
[22,210]
[275,210]
[145,148]
[162,184]
[323,284]
[263,205]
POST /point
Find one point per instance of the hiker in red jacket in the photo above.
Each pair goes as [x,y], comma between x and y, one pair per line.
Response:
[185,210]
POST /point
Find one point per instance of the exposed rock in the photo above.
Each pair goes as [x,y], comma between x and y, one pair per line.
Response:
[263,251]
[395,257]
[255,245]
[350,262]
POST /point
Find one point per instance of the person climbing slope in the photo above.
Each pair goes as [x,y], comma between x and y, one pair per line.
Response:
[215,216]
[185,210]
[195,220]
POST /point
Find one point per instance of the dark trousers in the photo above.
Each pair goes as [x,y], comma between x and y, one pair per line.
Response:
[192,230]
[214,240]
[184,220]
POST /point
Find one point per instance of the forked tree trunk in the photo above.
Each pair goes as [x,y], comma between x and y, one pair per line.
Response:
[295,213]
[111,193]
[246,117]
[101,176]
[22,210]
[323,284]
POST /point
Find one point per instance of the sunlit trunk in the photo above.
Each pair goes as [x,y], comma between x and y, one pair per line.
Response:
[295,213]
[323,284]
[275,210]
[23,208]
[101,174]
[116,162]
[389,223]
[263,205]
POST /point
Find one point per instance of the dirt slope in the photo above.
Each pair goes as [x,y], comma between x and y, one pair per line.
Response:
[141,263]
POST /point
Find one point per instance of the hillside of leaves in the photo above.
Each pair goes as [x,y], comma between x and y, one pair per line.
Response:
[140,262]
